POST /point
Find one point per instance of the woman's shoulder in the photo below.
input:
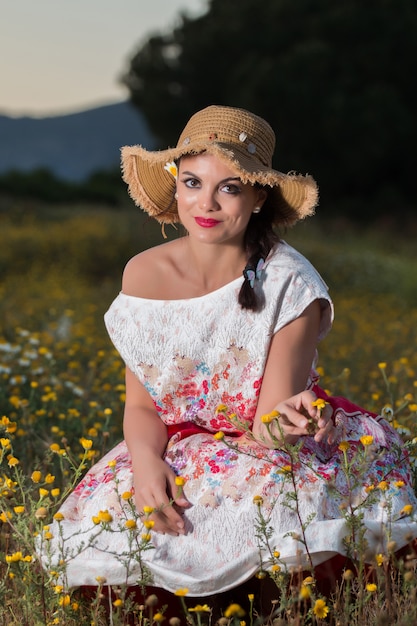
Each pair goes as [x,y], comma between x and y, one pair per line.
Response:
[145,274]
[287,266]
[284,255]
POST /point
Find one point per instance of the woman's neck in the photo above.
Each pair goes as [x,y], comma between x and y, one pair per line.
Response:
[208,266]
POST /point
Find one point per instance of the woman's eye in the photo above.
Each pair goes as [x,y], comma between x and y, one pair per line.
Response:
[191,182]
[232,189]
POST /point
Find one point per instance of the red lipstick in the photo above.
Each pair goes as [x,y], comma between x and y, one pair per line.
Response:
[206,223]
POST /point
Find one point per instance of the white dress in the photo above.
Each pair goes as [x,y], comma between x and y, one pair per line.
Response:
[192,356]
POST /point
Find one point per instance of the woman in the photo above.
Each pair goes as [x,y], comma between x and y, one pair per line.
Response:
[219,331]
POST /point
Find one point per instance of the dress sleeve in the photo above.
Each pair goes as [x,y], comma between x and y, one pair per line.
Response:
[298,292]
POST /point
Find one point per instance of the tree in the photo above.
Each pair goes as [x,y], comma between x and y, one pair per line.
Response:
[334,79]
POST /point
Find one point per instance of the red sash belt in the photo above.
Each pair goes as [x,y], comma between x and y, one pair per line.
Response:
[186,429]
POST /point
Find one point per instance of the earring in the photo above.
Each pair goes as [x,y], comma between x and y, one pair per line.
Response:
[176,196]
[257,209]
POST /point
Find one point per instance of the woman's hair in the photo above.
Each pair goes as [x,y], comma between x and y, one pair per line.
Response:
[260,238]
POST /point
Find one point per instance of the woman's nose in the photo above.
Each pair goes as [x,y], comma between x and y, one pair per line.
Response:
[207,201]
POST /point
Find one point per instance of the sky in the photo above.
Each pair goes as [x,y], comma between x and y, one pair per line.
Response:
[63,56]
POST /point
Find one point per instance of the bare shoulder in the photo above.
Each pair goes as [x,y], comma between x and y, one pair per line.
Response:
[147,274]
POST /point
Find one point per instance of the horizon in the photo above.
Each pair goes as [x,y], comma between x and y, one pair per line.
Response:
[64,113]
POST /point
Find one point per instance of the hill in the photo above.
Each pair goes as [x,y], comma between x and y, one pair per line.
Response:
[71,146]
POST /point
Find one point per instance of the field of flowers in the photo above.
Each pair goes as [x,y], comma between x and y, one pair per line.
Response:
[62,392]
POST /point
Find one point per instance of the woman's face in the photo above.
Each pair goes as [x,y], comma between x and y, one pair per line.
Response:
[213,204]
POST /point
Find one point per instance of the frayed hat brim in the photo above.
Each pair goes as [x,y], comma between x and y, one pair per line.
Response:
[152,187]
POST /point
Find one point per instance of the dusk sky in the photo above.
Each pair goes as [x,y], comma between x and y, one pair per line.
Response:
[61,56]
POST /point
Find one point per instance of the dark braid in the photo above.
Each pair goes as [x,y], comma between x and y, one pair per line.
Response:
[260,237]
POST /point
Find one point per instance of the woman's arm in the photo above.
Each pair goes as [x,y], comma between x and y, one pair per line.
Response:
[287,369]
[153,479]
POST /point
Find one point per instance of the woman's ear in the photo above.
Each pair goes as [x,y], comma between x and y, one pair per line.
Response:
[262,196]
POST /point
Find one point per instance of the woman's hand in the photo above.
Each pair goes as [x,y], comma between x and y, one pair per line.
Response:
[303,414]
[298,416]
[155,486]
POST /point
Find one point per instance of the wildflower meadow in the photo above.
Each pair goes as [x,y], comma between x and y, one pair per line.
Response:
[61,404]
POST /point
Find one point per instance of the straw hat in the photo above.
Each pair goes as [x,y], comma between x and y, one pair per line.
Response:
[243,140]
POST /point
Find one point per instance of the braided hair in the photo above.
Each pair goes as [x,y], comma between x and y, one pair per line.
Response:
[260,238]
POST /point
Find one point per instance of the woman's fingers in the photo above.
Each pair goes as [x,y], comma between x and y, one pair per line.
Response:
[167,501]
[166,519]
[299,415]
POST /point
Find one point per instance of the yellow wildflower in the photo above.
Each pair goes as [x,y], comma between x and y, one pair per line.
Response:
[371,587]
[36,476]
[179,481]
[158,617]
[379,558]
[43,492]
[49,479]
[118,602]
[149,523]
[146,536]
[234,610]
[366,440]
[383,485]
[200,608]
[344,446]
[130,524]
[407,509]
[65,600]
[258,500]
[19,509]
[86,443]
[305,592]
[319,403]
[13,461]
[148,509]
[55,492]
[219,435]
[58,516]
[399,484]
[126,495]
[320,609]
[105,516]
[222,408]
[183,591]
[268,418]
